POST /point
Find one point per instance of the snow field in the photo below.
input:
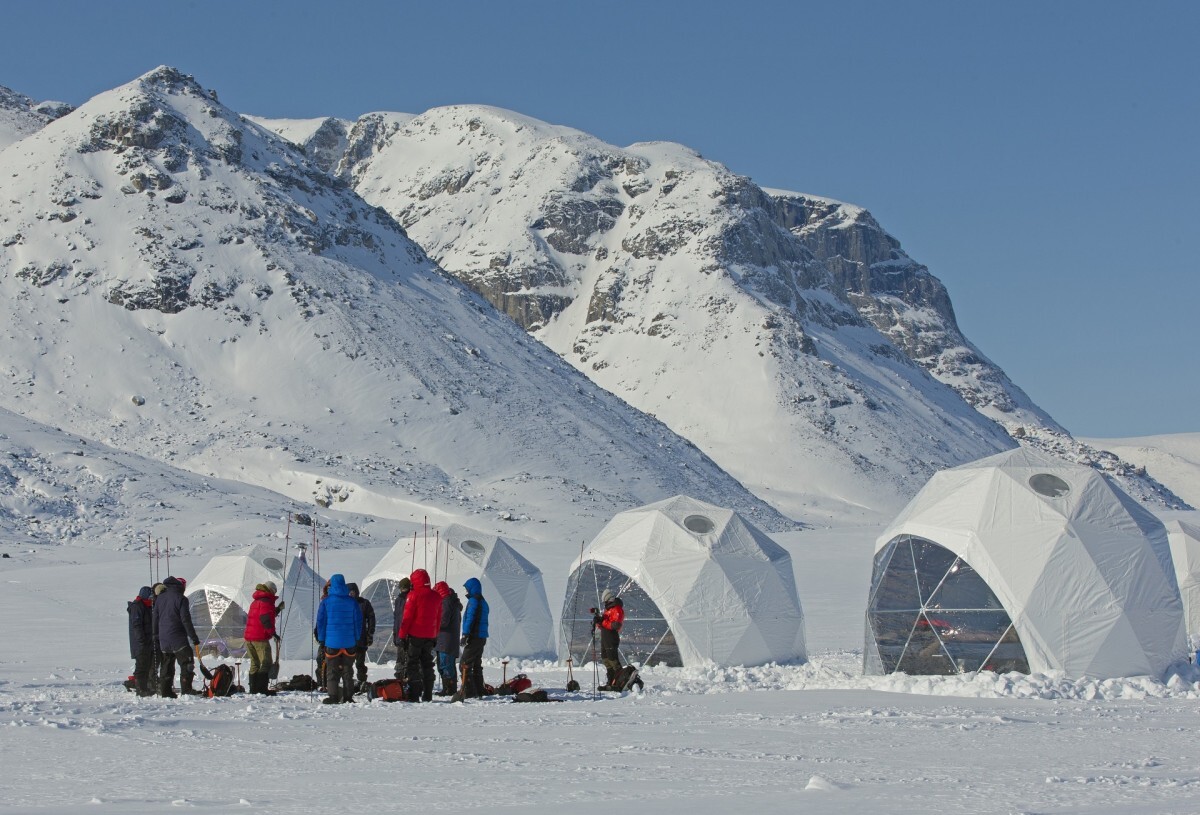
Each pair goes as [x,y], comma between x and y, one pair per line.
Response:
[817,737]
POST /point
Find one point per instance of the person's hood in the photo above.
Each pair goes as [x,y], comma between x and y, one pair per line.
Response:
[173,584]
[337,585]
[442,589]
[263,594]
[353,589]
[145,593]
[473,587]
[420,579]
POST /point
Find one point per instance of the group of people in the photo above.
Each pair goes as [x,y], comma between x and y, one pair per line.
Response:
[161,634]
[431,626]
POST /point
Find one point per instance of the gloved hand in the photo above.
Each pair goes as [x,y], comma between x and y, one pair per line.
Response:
[280,606]
[597,619]
[369,641]
[277,638]
[464,639]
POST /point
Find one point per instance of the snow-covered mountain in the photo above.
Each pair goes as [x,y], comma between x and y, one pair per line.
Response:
[178,283]
[788,336]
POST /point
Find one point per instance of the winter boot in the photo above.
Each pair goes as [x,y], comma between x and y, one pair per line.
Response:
[166,691]
[334,698]
[449,686]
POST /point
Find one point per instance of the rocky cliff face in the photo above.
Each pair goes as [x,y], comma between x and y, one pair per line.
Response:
[912,308]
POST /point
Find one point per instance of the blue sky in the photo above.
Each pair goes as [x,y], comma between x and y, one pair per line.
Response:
[1040,158]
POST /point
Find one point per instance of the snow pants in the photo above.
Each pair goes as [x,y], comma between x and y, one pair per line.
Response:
[420,669]
[166,670]
[472,660]
[339,673]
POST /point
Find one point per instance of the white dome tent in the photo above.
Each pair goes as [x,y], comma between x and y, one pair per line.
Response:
[519,621]
[699,584]
[1184,538]
[1022,562]
[221,593]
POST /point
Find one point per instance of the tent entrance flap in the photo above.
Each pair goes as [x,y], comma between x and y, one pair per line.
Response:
[646,638]
[931,613]
[220,623]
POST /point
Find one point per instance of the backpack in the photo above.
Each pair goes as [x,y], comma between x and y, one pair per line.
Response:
[517,684]
[300,682]
[389,690]
[537,695]
[219,681]
[627,677]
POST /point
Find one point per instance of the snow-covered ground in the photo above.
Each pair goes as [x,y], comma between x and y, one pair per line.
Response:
[818,737]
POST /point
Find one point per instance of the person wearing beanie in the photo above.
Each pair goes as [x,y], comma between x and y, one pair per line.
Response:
[260,630]
[419,630]
[174,632]
[610,621]
[368,636]
[447,638]
[474,638]
[339,627]
[403,588]
[141,639]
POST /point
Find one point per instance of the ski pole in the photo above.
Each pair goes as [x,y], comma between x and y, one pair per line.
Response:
[504,672]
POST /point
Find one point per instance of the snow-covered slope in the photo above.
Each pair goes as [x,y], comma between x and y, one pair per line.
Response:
[749,322]
[179,283]
[324,140]
[20,115]
[62,495]
[1173,460]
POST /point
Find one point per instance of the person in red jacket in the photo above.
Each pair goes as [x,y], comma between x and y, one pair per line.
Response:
[418,636]
[610,622]
[260,629]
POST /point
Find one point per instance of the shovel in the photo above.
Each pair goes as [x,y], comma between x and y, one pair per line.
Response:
[572,685]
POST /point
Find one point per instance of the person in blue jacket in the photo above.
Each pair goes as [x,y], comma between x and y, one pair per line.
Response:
[339,630]
[474,638]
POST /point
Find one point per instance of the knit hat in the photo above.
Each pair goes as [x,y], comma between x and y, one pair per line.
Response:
[405,584]
[608,595]
[270,586]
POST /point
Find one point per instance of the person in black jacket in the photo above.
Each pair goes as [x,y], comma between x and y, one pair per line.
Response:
[175,633]
[447,638]
[368,635]
[404,586]
[141,639]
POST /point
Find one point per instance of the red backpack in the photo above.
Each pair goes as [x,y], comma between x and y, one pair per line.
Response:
[516,685]
[389,690]
[219,681]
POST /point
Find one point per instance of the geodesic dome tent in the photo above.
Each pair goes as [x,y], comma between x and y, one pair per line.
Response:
[1184,539]
[699,584]
[519,621]
[221,593]
[1021,562]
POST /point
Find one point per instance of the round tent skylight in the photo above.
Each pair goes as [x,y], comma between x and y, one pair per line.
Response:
[1049,485]
[699,524]
[272,563]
